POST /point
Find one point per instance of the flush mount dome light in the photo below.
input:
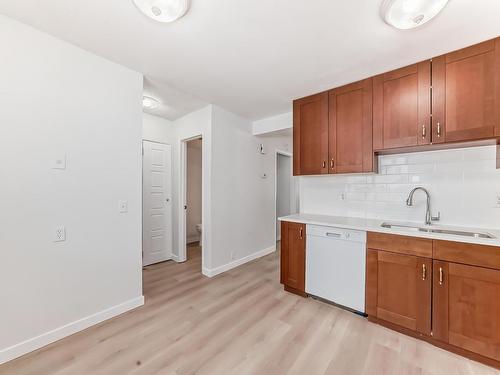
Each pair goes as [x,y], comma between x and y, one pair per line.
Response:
[163,10]
[150,103]
[408,14]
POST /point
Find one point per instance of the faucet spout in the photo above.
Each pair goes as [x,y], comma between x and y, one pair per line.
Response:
[428,216]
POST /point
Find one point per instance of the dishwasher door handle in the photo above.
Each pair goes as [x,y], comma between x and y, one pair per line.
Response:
[330,234]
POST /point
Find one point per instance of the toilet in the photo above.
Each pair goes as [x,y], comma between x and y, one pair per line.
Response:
[199,228]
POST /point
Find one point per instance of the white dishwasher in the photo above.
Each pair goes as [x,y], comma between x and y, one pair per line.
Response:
[335,265]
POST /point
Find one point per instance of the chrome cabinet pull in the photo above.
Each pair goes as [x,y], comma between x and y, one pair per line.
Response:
[423,131]
[440,275]
[324,164]
[301,233]
[439,129]
[424,272]
[332,163]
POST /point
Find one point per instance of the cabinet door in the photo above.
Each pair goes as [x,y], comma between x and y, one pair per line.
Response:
[293,257]
[350,129]
[403,290]
[310,135]
[466,93]
[402,107]
[466,307]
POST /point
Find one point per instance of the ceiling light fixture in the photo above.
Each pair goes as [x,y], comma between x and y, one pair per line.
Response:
[408,14]
[150,103]
[163,10]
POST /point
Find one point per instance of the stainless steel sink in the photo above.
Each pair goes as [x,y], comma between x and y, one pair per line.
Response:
[414,228]
[402,226]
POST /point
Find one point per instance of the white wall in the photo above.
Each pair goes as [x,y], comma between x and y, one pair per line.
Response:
[272,124]
[463,183]
[58,99]
[283,189]
[194,173]
[243,207]
[157,129]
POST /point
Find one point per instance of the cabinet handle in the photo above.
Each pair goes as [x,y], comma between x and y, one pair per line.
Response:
[440,275]
[424,272]
[324,164]
[423,131]
[301,233]
[439,129]
[332,163]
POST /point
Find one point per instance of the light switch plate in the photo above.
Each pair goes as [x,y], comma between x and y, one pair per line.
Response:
[60,234]
[123,206]
[59,162]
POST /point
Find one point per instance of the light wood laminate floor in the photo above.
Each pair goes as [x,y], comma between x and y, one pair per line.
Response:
[240,322]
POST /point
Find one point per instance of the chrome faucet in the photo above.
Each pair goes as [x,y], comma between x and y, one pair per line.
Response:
[428,217]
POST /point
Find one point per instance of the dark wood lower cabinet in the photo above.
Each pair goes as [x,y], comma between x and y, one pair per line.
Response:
[467,308]
[293,257]
[464,315]
[403,291]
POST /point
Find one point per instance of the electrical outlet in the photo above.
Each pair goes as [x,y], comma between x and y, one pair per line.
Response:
[60,234]
[342,196]
[123,206]
[498,201]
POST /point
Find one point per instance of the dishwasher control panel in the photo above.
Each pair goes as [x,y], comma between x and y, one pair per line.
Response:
[338,233]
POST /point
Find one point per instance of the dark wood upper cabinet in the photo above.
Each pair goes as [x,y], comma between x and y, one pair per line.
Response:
[293,257]
[310,135]
[466,93]
[401,290]
[350,129]
[402,107]
[451,98]
[466,307]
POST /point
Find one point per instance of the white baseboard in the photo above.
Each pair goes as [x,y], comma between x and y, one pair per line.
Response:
[47,338]
[192,239]
[226,267]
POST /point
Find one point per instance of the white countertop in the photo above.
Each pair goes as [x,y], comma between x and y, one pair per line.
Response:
[374,225]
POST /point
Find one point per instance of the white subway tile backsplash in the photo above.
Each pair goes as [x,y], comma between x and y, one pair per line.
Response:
[479,153]
[393,160]
[421,168]
[387,179]
[396,169]
[463,184]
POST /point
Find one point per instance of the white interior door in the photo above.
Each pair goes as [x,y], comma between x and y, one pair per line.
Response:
[156,202]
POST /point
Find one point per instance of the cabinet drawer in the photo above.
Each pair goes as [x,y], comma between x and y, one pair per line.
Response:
[472,254]
[400,244]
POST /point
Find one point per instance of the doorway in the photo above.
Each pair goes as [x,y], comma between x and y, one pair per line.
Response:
[194,227]
[187,237]
[286,189]
[156,202]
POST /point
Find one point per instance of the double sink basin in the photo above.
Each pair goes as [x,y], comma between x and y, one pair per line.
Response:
[414,228]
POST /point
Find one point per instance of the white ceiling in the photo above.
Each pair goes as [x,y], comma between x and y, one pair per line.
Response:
[254,57]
